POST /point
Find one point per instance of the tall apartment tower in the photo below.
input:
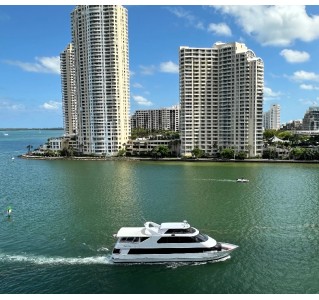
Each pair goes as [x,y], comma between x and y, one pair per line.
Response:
[221,99]
[69,104]
[100,39]
[271,118]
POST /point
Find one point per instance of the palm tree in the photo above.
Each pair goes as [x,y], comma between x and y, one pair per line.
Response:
[29,147]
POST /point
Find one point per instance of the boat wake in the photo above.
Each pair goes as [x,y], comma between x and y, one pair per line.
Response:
[212,179]
[44,260]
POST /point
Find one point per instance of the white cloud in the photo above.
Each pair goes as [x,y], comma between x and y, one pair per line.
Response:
[219,29]
[309,87]
[200,25]
[8,105]
[181,13]
[51,105]
[142,101]
[293,56]
[305,76]
[275,25]
[270,94]
[169,67]
[308,102]
[190,19]
[137,85]
[165,67]
[42,65]
[148,70]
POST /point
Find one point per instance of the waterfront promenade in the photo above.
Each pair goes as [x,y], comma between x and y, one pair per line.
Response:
[169,159]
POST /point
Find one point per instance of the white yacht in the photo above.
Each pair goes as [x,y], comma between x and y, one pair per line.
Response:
[167,242]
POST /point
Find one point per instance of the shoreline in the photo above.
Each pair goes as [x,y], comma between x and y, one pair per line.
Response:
[252,160]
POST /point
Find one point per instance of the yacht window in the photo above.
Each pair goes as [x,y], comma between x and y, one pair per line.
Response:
[127,240]
[180,231]
[183,239]
[176,239]
[133,239]
[201,238]
[144,238]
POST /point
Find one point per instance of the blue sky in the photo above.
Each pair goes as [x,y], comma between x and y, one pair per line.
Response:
[33,36]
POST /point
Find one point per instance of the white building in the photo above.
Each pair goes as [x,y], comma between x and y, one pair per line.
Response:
[69,104]
[221,99]
[310,120]
[156,119]
[100,39]
[271,118]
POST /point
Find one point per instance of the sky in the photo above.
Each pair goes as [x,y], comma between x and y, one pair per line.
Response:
[32,37]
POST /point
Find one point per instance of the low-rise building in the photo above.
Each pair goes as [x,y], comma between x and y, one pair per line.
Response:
[143,146]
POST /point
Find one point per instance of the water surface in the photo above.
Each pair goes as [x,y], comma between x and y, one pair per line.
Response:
[59,238]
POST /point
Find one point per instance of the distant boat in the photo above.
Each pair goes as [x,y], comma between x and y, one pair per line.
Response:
[243,180]
[5,134]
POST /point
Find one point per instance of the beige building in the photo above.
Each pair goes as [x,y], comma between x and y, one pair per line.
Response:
[100,39]
[221,99]
[156,119]
[271,118]
[69,104]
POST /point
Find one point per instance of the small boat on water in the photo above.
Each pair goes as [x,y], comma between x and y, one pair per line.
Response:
[167,242]
[242,180]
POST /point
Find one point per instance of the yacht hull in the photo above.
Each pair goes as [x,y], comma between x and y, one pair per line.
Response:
[175,257]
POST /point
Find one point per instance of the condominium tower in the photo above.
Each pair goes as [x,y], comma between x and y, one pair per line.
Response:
[221,99]
[69,104]
[100,39]
[271,118]
[156,119]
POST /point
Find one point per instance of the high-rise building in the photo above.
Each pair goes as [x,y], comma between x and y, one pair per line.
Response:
[100,40]
[271,118]
[156,119]
[69,104]
[311,119]
[221,99]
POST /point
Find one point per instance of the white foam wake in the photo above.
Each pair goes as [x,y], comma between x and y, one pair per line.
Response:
[212,179]
[43,260]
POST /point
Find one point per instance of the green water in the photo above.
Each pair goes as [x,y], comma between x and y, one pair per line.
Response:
[59,238]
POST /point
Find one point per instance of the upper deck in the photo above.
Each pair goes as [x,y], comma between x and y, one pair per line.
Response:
[151,228]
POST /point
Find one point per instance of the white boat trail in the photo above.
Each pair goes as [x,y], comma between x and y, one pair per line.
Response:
[45,260]
[212,179]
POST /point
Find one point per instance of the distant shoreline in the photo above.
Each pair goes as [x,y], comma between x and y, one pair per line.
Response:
[14,129]
[25,156]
